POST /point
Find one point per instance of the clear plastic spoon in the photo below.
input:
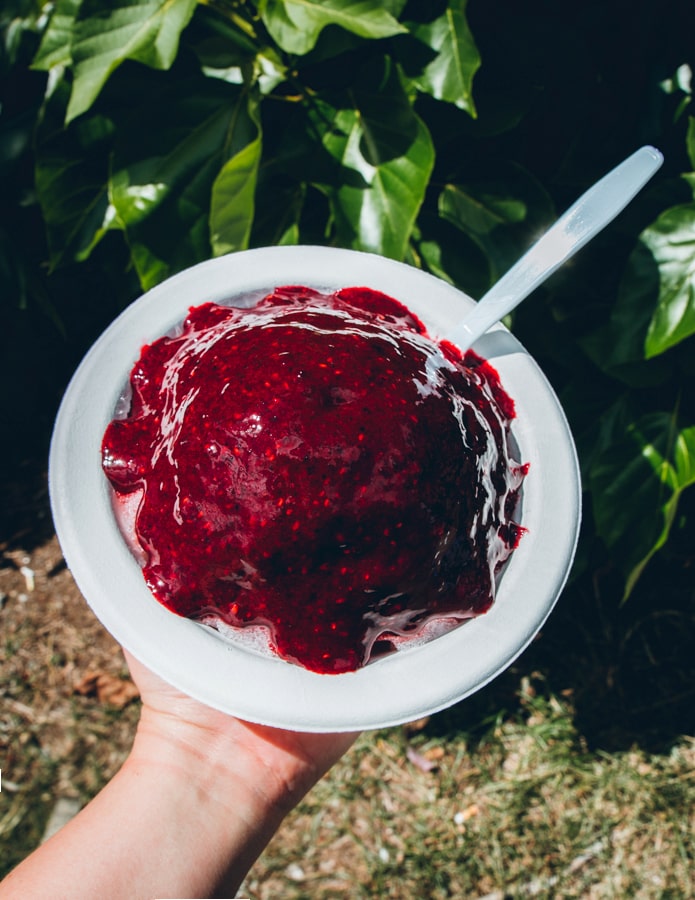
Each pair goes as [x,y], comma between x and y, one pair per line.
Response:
[584,219]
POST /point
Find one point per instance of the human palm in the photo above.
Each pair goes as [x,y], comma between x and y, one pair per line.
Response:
[297,759]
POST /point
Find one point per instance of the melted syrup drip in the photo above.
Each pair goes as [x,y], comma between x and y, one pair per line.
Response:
[319,466]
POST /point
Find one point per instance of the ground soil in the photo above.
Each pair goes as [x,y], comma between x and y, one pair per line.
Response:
[68,711]
[64,683]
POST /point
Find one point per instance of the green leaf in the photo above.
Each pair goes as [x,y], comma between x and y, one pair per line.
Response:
[690,140]
[228,50]
[287,207]
[221,39]
[146,31]
[379,215]
[618,345]
[450,255]
[449,76]
[296,24]
[233,192]
[389,125]
[56,45]
[684,455]
[375,195]
[394,7]
[71,178]
[671,241]
[480,210]
[502,215]
[636,484]
[168,153]
[277,215]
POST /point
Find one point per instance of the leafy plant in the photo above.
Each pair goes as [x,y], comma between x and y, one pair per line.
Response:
[446,134]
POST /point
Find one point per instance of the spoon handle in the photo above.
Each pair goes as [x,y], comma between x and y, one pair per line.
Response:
[585,218]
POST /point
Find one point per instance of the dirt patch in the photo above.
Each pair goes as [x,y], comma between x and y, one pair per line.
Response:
[54,654]
[499,796]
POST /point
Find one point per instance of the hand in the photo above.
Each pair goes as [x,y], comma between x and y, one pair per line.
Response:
[242,773]
[195,802]
[296,759]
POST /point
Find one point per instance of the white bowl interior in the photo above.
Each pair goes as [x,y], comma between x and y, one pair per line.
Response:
[398,688]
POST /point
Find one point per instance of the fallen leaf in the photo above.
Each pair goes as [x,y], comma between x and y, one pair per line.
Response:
[417,725]
[419,760]
[109,690]
[434,753]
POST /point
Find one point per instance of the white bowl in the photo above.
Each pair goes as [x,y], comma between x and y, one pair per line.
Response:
[398,688]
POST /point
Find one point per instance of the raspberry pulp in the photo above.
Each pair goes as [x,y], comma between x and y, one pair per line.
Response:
[319,466]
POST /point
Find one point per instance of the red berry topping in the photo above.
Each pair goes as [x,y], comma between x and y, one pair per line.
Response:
[320,466]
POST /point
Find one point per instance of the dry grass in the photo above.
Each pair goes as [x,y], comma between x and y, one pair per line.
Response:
[54,741]
[501,797]
[525,812]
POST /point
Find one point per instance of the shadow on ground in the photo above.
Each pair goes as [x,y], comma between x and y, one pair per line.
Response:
[628,669]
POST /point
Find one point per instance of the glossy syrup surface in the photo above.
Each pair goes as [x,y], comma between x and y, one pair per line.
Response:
[319,466]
